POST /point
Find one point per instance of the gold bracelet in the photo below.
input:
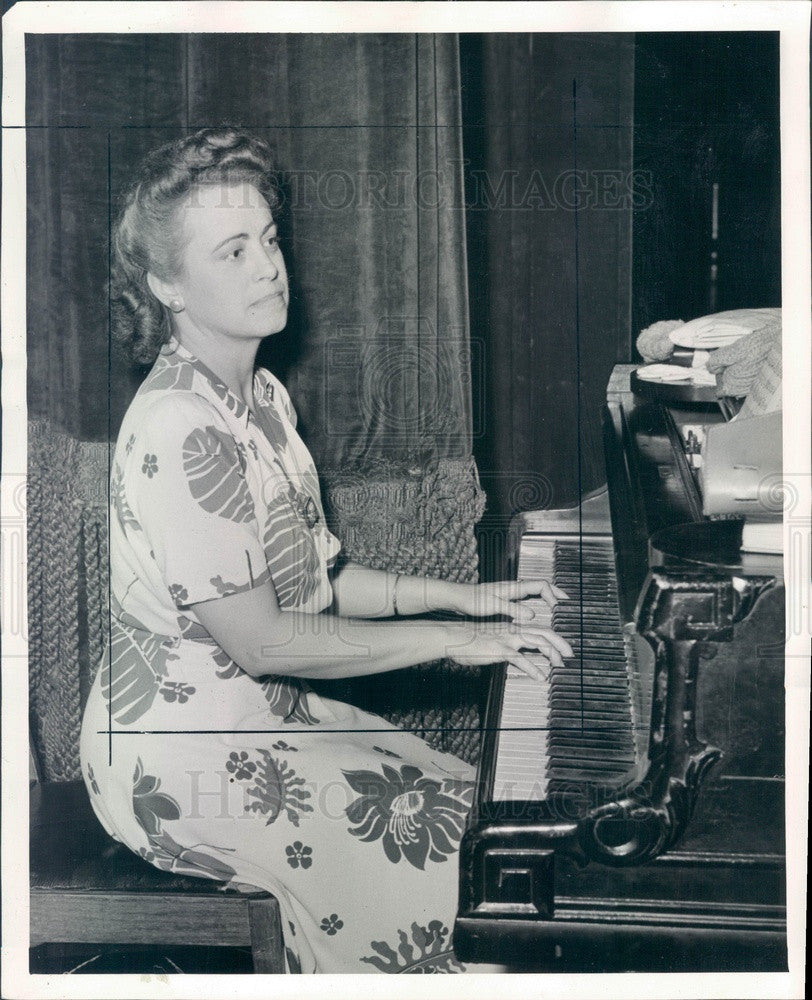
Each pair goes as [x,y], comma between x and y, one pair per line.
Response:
[395,596]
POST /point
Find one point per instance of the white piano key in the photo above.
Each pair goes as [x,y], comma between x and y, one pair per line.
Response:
[521,753]
[523,740]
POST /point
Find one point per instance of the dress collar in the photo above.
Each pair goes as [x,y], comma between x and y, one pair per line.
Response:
[221,390]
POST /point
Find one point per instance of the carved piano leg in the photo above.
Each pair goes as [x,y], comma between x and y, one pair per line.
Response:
[508,859]
[678,614]
[651,816]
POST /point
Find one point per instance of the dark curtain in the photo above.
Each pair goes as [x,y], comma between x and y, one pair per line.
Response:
[590,165]
[548,140]
[366,131]
[707,113]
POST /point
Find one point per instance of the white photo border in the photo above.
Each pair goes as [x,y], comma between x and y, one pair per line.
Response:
[792,20]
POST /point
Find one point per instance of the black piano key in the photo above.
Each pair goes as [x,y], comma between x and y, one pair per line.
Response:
[611,739]
[587,597]
[591,715]
[612,661]
[576,731]
[594,664]
[590,629]
[589,625]
[614,686]
[559,765]
[594,650]
[571,563]
[588,738]
[614,755]
[581,586]
[594,645]
[607,696]
[618,761]
[620,754]
[583,776]
[589,667]
[592,635]
[608,743]
[581,681]
[596,609]
[563,704]
[594,723]
[588,698]
[594,698]
[592,688]
[599,625]
[572,700]
[573,553]
[596,613]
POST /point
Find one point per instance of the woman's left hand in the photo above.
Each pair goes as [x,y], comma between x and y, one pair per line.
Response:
[503,598]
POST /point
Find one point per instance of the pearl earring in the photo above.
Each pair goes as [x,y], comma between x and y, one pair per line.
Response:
[176,306]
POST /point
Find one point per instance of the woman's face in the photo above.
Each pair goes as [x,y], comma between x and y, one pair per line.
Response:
[233,280]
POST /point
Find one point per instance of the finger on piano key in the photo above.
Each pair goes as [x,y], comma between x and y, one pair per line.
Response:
[550,643]
[517,672]
[536,669]
[526,586]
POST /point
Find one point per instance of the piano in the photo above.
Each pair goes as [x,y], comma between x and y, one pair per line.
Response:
[629,813]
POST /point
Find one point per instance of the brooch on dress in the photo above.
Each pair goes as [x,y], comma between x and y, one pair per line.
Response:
[307,509]
[311,514]
[305,505]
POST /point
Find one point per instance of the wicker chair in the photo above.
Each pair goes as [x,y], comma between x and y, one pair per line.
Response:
[87,888]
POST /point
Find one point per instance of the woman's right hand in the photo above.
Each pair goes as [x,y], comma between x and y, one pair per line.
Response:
[477,644]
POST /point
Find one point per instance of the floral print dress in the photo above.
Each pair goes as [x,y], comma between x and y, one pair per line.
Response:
[353,824]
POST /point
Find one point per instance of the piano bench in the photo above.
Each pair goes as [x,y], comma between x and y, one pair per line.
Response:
[88,889]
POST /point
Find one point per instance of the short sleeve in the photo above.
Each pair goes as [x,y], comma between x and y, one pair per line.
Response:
[187,488]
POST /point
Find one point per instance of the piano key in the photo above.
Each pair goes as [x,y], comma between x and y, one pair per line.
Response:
[596,616]
[587,738]
[576,727]
[621,755]
[559,766]
[591,665]
[569,677]
[564,702]
[581,777]
[593,695]
[615,755]
[594,649]
[606,762]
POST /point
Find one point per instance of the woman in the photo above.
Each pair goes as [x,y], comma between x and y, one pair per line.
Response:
[202,747]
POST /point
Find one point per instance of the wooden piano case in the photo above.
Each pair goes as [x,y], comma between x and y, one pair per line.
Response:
[680,866]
